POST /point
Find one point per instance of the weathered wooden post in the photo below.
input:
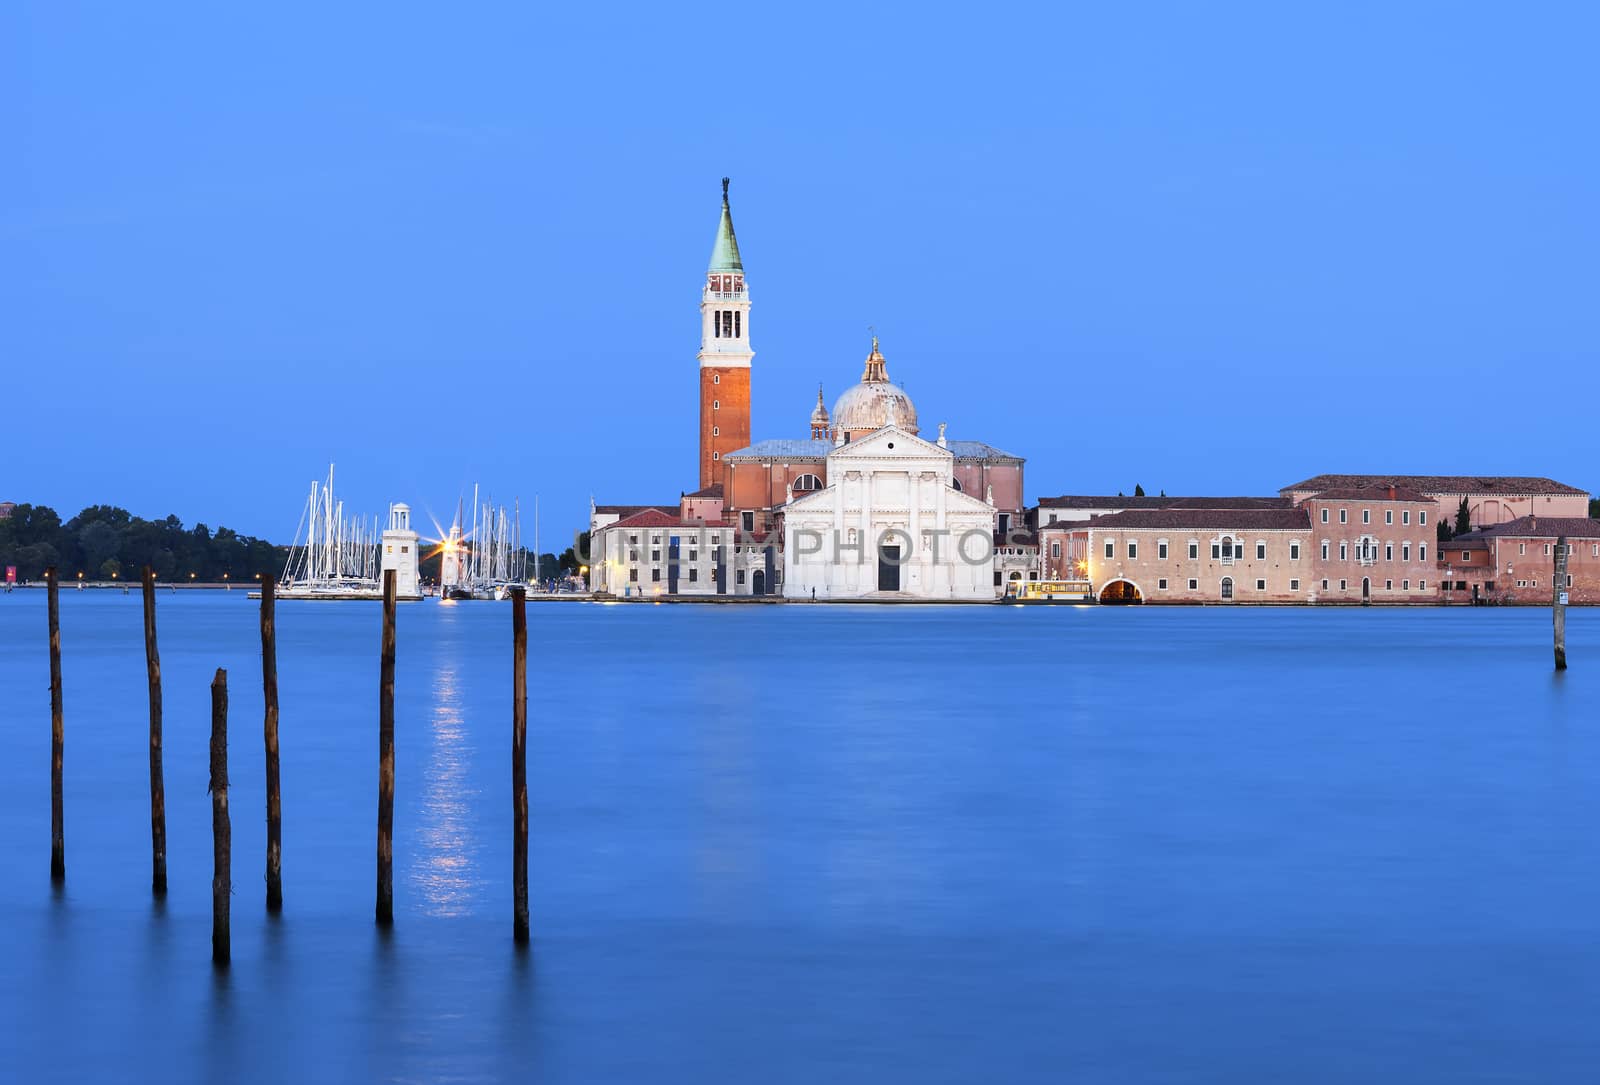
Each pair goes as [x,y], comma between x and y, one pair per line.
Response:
[269,692]
[221,826]
[58,844]
[158,787]
[519,761]
[385,909]
[1558,603]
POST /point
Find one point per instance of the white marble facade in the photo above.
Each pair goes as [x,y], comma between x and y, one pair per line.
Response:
[890,524]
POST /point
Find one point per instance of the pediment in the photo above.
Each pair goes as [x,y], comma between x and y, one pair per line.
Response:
[875,446]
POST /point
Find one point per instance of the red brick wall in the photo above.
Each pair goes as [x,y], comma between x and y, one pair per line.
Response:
[725,408]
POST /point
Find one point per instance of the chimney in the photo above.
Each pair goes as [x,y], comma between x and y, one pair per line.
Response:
[1392,495]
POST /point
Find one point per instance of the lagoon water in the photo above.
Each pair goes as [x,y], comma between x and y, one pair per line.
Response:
[822,843]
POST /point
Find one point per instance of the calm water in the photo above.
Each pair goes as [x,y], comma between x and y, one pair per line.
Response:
[822,844]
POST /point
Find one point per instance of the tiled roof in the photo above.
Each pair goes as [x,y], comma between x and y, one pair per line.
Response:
[629,510]
[1078,501]
[1437,484]
[977,450]
[1374,494]
[1198,519]
[1537,527]
[713,490]
[790,449]
[783,448]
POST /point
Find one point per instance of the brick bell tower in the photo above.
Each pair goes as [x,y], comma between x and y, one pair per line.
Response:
[724,353]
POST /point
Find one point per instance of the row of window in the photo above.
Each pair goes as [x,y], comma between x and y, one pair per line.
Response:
[1388,516]
[1294,585]
[727,324]
[1227,550]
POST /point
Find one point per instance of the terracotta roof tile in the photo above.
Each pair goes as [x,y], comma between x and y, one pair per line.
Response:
[1437,484]
[1536,527]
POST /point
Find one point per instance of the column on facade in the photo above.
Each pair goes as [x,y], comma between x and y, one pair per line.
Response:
[914,493]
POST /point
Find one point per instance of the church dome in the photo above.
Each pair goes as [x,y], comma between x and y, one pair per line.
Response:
[874,403]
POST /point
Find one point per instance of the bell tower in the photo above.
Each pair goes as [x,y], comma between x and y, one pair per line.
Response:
[724,353]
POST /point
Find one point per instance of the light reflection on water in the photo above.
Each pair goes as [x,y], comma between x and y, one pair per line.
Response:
[447,873]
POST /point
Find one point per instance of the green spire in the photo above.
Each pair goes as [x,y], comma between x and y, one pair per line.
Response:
[725,253]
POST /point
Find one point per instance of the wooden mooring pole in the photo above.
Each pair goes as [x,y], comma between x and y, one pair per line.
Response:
[58,844]
[385,908]
[1558,603]
[158,787]
[221,826]
[269,692]
[519,761]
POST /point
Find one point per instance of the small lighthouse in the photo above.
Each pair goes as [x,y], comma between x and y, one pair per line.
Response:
[400,552]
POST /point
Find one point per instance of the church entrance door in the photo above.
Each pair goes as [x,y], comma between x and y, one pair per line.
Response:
[888,568]
[758,582]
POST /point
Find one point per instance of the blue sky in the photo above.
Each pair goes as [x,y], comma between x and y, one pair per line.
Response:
[1210,249]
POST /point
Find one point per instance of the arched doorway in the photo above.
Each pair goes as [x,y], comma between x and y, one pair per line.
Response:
[1121,591]
[1227,587]
[1366,590]
[758,582]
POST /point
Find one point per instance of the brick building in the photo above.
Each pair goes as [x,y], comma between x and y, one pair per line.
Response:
[1339,546]
[1514,562]
[1491,499]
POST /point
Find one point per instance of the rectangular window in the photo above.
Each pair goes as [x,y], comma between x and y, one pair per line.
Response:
[1344,585]
[694,574]
[1055,550]
[1422,585]
[1111,548]
[1133,550]
[1343,517]
[1366,516]
[1344,551]
[388,549]
[1522,548]
[633,574]
[1162,584]
[1161,551]
[1388,585]
[1466,555]
[655,574]
[1405,551]
[1294,551]
[1405,585]
[1324,515]
[1194,551]
[1324,585]
[1388,516]
[1216,550]
[738,576]
[655,555]
[1388,551]
[1294,585]
[1194,585]
[1261,551]
[1422,551]
[1546,549]
[1422,518]
[1324,551]
[1405,516]
[1261,585]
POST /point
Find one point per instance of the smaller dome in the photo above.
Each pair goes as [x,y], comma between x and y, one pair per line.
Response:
[819,417]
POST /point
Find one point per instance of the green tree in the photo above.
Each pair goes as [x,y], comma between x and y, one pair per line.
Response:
[1594,508]
[1463,518]
[1138,490]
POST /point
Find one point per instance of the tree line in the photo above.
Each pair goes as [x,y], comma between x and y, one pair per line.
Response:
[104,542]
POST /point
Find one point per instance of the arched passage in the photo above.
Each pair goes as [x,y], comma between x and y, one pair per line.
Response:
[1121,591]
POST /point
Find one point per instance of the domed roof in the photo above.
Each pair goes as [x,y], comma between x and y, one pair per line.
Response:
[874,403]
[819,416]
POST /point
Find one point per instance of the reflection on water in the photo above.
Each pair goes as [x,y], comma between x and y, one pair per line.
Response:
[446,873]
